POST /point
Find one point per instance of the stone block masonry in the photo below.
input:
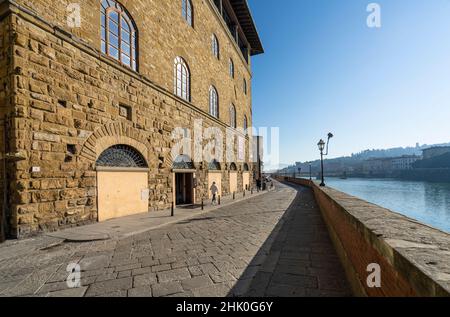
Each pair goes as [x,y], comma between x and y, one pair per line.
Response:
[163,35]
[61,102]
[5,107]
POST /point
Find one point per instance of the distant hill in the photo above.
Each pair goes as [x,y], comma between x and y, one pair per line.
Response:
[442,161]
[394,152]
[356,159]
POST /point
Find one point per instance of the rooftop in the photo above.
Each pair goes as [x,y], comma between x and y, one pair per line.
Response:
[242,10]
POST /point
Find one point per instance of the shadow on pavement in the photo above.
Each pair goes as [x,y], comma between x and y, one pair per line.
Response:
[297,260]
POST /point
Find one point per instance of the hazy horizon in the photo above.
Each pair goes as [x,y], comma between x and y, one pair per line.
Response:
[331,157]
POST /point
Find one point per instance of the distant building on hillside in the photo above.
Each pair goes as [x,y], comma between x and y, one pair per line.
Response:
[435,151]
[377,165]
[390,164]
[405,162]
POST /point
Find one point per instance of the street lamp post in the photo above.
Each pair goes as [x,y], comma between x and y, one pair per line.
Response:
[321,146]
[310,171]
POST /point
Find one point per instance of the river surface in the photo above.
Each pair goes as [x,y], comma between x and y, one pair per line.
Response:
[426,202]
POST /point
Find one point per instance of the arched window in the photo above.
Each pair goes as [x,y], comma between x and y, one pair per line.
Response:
[233,121]
[245,86]
[245,124]
[183,162]
[182,79]
[213,102]
[231,68]
[214,166]
[215,46]
[121,156]
[186,11]
[119,34]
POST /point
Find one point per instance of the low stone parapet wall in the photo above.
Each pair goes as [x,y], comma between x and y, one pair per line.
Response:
[383,253]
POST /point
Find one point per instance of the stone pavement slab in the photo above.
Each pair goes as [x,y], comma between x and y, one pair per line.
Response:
[135,224]
[301,260]
[259,246]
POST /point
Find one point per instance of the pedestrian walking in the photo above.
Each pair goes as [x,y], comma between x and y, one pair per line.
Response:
[214,190]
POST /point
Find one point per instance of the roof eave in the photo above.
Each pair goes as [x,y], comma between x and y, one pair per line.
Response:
[248,25]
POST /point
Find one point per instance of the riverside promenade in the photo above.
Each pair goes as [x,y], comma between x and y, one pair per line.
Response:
[274,244]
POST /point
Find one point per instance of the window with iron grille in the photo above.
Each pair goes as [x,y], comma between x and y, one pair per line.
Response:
[121,156]
[214,166]
[183,162]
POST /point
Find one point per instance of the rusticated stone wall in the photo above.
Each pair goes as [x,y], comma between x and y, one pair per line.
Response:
[163,35]
[5,107]
[65,112]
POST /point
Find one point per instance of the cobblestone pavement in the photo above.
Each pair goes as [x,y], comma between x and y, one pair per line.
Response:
[258,247]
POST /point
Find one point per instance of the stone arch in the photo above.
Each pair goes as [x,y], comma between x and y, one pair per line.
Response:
[113,134]
[213,82]
[183,162]
[182,52]
[233,167]
[246,168]
[214,165]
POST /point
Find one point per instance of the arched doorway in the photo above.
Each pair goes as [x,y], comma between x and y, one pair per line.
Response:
[214,176]
[246,177]
[184,173]
[233,178]
[122,183]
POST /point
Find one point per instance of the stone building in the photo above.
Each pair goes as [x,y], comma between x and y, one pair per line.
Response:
[91,93]
[377,166]
[435,151]
[405,162]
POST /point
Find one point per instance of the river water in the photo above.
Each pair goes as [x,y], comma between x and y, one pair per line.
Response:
[426,202]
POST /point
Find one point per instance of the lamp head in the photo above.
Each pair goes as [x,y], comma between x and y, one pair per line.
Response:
[321,145]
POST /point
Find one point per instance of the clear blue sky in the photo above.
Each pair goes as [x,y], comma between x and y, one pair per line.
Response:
[325,70]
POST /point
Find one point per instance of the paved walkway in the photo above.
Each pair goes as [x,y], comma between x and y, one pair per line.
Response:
[262,246]
[301,261]
[135,224]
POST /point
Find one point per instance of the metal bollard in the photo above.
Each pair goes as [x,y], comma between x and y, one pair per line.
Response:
[219,200]
[234,195]
[203,205]
[172,210]
[244,193]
